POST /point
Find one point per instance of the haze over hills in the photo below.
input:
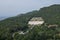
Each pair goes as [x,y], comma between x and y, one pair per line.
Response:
[14,7]
[51,15]
[2,18]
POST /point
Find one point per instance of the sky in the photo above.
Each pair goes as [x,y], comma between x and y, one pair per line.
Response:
[10,8]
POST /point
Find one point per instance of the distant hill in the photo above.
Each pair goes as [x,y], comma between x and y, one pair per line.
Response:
[10,25]
[2,18]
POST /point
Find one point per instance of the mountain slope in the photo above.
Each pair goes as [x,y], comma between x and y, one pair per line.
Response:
[10,25]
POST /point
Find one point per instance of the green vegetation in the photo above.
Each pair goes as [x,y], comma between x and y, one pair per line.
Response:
[51,15]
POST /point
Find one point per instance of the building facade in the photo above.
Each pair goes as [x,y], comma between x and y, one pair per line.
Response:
[36,21]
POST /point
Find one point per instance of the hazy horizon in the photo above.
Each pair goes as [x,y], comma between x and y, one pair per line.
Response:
[10,8]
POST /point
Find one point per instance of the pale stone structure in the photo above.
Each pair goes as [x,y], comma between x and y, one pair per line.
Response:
[36,21]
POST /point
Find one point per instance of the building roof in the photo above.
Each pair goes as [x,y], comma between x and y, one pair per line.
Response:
[36,19]
[54,25]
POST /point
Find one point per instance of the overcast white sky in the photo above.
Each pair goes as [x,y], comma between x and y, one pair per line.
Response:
[15,7]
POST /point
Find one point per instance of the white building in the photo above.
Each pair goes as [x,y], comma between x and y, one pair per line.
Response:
[36,21]
[21,32]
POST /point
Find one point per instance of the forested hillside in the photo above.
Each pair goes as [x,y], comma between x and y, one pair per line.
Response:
[51,15]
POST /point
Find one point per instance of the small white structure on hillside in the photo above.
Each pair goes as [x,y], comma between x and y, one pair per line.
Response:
[52,25]
[36,21]
[21,32]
